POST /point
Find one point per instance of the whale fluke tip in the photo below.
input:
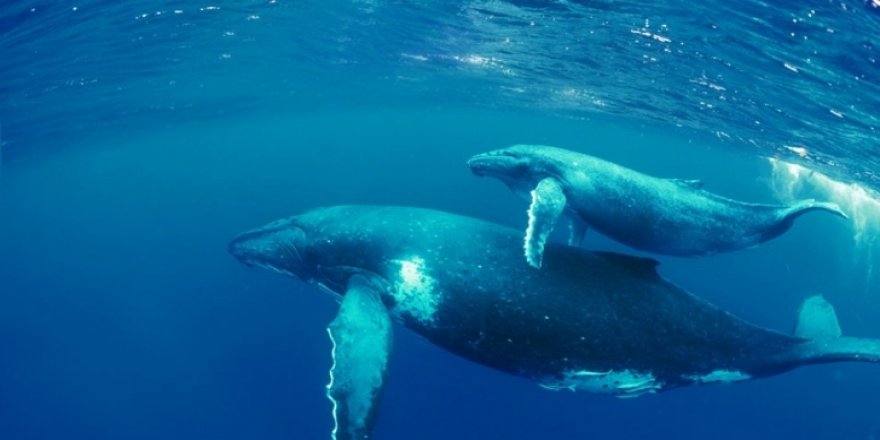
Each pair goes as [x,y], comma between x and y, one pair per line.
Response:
[808,205]
[833,208]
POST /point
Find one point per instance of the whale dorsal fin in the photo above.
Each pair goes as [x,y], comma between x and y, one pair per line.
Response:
[361,336]
[817,320]
[548,202]
[693,183]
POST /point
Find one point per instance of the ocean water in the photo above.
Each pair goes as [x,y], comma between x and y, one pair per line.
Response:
[139,137]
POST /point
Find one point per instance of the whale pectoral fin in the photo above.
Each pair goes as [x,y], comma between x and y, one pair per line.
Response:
[361,337]
[576,232]
[548,201]
[693,183]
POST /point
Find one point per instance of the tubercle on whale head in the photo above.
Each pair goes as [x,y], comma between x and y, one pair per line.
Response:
[281,246]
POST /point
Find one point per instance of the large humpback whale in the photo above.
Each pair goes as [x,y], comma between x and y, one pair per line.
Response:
[596,322]
[665,216]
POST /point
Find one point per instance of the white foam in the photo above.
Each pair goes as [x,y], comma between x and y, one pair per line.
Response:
[792,181]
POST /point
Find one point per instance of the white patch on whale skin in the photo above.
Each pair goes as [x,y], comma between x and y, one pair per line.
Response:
[414,291]
[623,383]
[719,376]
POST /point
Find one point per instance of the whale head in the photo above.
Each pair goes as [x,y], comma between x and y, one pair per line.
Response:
[279,246]
[324,246]
[520,167]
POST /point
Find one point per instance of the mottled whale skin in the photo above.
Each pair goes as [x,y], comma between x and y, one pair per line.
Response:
[664,216]
[598,322]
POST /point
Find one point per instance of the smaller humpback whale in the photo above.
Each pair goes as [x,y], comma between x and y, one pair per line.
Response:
[588,321]
[664,216]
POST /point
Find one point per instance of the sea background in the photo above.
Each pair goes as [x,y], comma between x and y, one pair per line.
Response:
[139,137]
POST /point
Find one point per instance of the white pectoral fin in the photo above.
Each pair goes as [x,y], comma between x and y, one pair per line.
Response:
[361,336]
[548,202]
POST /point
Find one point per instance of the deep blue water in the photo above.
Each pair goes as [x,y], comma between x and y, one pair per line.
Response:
[137,140]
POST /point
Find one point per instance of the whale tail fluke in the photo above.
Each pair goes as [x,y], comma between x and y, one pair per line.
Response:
[817,323]
[817,320]
[805,206]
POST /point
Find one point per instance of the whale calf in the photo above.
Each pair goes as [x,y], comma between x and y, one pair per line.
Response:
[588,321]
[664,216]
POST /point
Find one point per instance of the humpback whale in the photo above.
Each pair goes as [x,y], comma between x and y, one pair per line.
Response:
[664,216]
[588,321]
